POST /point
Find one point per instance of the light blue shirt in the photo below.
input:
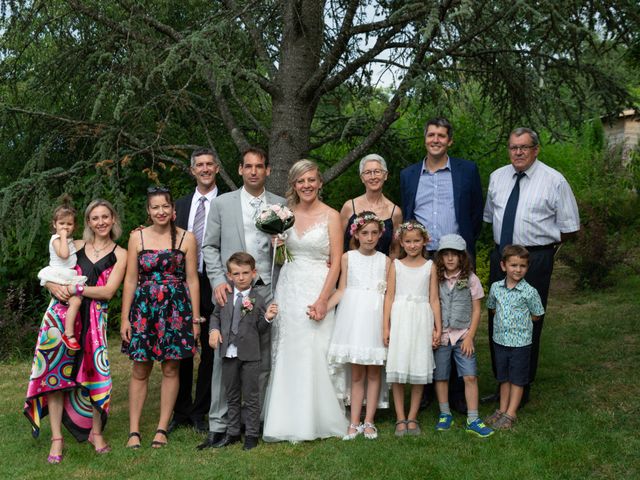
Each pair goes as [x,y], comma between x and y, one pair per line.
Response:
[434,206]
[512,324]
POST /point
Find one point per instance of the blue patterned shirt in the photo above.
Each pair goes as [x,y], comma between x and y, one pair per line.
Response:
[434,204]
[512,325]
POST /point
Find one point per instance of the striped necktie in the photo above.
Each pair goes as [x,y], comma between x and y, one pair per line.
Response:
[198,227]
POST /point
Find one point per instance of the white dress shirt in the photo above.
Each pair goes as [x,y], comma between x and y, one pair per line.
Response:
[546,207]
[192,215]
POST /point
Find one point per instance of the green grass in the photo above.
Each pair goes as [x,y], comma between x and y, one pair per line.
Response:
[583,420]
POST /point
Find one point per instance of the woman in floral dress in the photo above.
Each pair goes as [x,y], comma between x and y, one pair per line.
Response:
[160,309]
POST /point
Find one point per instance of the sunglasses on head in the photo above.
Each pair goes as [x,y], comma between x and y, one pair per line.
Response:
[157,189]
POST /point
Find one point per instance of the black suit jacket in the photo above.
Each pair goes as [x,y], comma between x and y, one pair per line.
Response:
[183,208]
[252,325]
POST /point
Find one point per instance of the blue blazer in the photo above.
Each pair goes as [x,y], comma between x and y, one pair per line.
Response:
[467,197]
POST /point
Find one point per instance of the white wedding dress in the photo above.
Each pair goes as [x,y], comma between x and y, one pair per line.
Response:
[302,401]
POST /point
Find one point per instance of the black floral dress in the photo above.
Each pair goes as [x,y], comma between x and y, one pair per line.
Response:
[161,315]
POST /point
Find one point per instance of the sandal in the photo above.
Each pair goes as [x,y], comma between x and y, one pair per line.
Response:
[413,431]
[493,418]
[401,432]
[505,422]
[136,445]
[370,435]
[56,459]
[158,443]
[352,435]
[101,450]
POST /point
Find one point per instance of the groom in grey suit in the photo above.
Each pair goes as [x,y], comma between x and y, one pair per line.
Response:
[231,228]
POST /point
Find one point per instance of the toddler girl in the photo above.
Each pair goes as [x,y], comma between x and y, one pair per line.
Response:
[62,260]
[357,335]
[411,323]
[460,293]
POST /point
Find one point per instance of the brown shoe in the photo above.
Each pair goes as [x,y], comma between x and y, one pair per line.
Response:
[493,418]
[505,422]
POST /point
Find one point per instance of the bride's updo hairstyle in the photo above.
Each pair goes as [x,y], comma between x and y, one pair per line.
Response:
[297,170]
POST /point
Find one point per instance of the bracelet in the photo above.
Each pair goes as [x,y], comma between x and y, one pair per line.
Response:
[79,290]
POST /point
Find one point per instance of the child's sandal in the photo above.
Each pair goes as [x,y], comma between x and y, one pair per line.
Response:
[370,435]
[493,418]
[352,435]
[413,431]
[505,422]
[401,432]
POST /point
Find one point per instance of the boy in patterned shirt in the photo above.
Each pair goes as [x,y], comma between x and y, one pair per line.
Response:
[515,304]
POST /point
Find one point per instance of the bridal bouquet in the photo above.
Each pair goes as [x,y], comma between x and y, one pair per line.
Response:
[276,220]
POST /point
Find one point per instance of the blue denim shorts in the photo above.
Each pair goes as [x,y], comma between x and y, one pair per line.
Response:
[467,366]
[512,364]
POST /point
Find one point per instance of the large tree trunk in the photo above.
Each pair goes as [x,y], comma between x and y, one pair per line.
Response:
[300,52]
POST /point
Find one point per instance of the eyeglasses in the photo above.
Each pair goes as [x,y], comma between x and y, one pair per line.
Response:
[373,173]
[522,148]
[157,189]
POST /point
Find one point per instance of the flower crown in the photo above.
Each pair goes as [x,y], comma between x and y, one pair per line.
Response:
[409,226]
[363,218]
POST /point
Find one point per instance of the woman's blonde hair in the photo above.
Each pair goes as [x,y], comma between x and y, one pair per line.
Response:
[116,228]
[297,170]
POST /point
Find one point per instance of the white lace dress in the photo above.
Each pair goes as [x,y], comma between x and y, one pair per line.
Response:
[410,355]
[357,336]
[302,402]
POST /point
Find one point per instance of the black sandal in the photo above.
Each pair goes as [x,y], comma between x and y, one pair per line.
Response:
[134,434]
[157,443]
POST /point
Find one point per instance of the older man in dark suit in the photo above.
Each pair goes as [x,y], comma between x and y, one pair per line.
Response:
[191,214]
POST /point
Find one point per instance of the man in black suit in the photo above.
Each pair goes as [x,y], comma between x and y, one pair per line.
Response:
[191,214]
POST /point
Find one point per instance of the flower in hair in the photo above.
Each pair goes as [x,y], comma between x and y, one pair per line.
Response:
[409,226]
[363,218]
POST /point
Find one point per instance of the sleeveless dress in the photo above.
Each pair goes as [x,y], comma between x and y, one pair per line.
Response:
[83,375]
[302,402]
[385,240]
[357,336]
[410,356]
[161,317]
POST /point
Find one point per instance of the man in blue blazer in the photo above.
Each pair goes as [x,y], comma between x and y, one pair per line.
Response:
[445,195]
[441,192]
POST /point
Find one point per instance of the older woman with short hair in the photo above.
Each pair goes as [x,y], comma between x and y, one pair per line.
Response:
[373,173]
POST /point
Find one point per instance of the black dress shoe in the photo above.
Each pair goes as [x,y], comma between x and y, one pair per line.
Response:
[177,423]
[211,440]
[200,425]
[227,440]
[250,442]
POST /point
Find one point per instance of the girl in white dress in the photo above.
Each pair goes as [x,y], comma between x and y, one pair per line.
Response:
[61,269]
[412,323]
[357,336]
[302,402]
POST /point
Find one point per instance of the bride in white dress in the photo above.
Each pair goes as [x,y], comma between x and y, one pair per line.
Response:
[302,402]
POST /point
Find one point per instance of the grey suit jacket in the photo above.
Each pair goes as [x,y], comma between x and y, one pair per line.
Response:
[225,233]
[252,325]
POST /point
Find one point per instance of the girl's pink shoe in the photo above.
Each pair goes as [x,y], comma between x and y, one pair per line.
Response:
[70,342]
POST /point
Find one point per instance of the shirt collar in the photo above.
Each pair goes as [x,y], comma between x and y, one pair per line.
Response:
[248,197]
[209,195]
[452,277]
[426,170]
[518,286]
[529,172]
[243,292]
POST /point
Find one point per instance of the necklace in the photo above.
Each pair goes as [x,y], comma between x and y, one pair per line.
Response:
[375,207]
[98,251]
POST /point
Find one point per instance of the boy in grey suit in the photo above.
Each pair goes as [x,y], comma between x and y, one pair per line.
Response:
[236,328]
